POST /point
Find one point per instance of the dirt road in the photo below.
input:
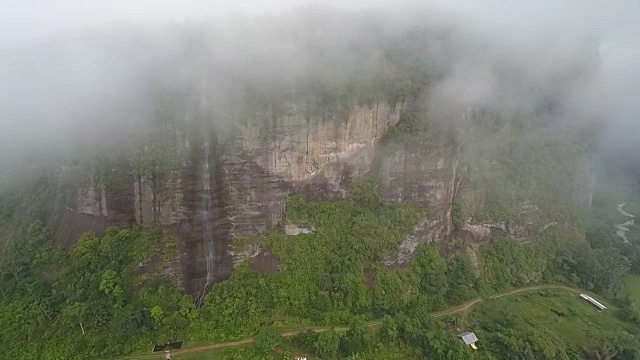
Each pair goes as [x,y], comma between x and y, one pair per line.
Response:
[453,310]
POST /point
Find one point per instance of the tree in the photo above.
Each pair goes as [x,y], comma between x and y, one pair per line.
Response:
[431,269]
[110,284]
[75,314]
[457,214]
[327,344]
[357,338]
[157,314]
[460,280]
[305,340]
[612,267]
[440,345]
[267,339]
[389,330]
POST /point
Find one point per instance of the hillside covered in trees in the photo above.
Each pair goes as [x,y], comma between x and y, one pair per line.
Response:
[359,172]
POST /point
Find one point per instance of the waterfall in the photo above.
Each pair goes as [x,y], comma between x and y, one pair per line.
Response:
[207,234]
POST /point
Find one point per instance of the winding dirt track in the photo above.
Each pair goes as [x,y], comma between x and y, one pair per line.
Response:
[453,310]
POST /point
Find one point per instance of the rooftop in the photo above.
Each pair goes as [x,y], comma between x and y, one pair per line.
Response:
[468,337]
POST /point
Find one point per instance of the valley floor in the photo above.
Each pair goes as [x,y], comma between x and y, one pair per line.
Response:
[216,351]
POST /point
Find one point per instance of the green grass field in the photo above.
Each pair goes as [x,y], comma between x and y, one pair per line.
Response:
[552,314]
[632,287]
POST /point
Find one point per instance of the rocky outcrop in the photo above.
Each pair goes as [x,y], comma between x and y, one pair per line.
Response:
[293,230]
[478,233]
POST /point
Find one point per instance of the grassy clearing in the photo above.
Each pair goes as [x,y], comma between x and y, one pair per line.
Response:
[549,314]
[632,287]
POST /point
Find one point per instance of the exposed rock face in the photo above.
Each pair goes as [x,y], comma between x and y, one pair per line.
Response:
[477,233]
[92,201]
[209,190]
[293,230]
[424,173]
[300,148]
[159,200]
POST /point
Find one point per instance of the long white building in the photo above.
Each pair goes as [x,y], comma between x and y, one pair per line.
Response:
[593,302]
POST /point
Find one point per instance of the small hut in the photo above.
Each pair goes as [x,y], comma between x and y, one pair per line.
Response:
[469,338]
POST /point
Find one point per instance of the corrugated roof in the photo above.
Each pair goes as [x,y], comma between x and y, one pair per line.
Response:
[593,301]
[468,337]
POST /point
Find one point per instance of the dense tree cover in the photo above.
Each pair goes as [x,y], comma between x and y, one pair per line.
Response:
[329,275]
[521,169]
[601,262]
[507,263]
[266,340]
[84,303]
[461,283]
[414,333]
[98,299]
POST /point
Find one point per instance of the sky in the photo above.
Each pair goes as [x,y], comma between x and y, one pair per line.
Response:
[519,30]
[25,20]
[30,18]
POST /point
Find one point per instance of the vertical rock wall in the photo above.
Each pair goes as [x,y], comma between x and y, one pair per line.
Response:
[250,174]
[422,171]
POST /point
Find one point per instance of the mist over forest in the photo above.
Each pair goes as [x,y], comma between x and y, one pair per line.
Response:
[72,86]
[352,172]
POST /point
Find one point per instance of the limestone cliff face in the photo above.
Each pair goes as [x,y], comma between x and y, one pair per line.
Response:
[210,188]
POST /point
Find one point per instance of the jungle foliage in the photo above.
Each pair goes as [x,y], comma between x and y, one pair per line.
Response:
[87,302]
[98,300]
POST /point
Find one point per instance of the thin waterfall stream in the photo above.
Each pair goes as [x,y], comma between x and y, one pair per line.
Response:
[207,233]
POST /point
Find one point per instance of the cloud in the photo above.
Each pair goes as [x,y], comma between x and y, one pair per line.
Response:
[82,70]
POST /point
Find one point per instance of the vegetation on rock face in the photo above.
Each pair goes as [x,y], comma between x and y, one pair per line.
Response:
[523,173]
[457,214]
[103,297]
[94,300]
[321,277]
[333,276]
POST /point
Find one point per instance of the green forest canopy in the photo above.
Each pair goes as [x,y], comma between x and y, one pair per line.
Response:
[93,301]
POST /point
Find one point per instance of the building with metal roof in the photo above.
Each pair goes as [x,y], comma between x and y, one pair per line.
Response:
[469,338]
[593,302]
